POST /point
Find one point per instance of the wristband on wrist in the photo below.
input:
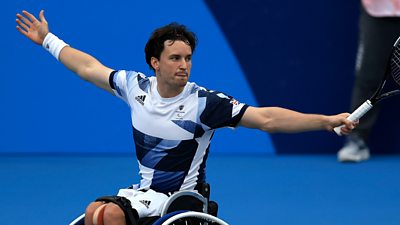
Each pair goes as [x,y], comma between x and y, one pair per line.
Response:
[53,44]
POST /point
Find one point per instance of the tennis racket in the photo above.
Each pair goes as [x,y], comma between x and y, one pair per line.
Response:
[393,69]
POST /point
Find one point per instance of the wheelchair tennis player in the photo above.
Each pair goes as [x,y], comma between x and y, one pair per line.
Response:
[173,120]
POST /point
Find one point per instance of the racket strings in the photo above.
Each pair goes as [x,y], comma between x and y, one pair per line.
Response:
[395,64]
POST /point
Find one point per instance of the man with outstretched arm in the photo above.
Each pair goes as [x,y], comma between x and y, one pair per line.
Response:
[173,120]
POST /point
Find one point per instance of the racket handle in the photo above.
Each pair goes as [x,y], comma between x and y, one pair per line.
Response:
[356,115]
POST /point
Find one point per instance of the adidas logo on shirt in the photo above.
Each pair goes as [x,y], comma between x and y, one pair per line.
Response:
[140,99]
[145,203]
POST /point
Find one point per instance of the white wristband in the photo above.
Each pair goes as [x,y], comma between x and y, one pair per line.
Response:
[53,44]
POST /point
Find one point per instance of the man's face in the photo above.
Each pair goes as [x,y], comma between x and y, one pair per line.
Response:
[173,67]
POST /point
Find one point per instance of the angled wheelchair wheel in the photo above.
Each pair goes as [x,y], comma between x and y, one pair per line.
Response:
[189,218]
[80,220]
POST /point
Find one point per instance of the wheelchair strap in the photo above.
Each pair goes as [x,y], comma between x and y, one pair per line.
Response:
[131,216]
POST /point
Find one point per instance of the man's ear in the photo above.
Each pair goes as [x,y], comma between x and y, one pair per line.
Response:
[155,63]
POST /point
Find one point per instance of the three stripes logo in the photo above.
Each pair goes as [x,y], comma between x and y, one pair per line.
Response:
[145,203]
[140,99]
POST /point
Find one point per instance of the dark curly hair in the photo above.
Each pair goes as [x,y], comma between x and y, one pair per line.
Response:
[173,32]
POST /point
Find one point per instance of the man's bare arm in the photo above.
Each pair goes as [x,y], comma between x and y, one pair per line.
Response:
[275,119]
[86,66]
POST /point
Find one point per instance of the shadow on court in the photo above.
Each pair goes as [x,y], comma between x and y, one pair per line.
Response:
[258,189]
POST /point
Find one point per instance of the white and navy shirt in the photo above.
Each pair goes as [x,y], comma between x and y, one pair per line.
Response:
[172,135]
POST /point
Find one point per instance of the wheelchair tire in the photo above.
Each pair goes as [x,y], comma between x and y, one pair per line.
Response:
[189,217]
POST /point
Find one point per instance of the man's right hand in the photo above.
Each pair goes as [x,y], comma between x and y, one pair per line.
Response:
[34,29]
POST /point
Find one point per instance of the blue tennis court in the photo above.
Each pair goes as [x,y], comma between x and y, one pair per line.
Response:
[250,189]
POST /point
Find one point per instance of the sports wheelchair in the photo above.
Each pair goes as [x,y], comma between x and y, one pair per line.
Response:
[181,208]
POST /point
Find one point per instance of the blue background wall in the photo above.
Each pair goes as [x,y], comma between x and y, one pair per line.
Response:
[300,55]
[287,53]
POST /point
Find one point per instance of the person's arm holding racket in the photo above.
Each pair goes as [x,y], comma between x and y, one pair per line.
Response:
[276,119]
[86,66]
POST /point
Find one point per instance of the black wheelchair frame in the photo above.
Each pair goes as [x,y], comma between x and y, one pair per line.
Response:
[181,208]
